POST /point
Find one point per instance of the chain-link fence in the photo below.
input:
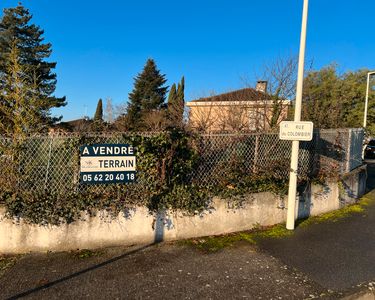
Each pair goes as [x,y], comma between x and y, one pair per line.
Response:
[52,162]
[331,151]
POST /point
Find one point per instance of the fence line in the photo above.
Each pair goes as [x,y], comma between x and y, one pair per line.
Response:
[52,161]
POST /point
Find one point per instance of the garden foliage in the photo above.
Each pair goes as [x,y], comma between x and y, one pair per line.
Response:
[167,178]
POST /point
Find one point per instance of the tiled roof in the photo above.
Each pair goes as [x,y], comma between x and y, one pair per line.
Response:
[246,94]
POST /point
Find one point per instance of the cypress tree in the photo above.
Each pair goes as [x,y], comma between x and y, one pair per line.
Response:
[181,100]
[176,102]
[19,37]
[181,92]
[172,97]
[98,117]
[149,94]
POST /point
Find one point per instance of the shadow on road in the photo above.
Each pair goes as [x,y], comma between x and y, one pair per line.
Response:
[92,268]
[159,225]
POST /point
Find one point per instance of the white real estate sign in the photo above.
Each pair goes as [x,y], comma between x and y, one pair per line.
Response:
[107,163]
[296,131]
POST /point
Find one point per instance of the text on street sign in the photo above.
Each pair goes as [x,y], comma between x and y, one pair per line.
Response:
[296,131]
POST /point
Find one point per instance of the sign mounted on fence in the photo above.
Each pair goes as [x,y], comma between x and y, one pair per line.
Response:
[107,163]
[296,131]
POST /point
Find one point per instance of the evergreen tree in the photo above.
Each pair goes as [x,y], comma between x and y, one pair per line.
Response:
[176,102]
[353,90]
[22,47]
[12,100]
[19,111]
[148,94]
[172,97]
[181,91]
[172,100]
[322,98]
[333,100]
[98,117]
[181,100]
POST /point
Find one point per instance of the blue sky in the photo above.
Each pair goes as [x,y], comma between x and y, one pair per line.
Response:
[100,46]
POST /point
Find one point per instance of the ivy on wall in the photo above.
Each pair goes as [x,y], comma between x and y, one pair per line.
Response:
[165,166]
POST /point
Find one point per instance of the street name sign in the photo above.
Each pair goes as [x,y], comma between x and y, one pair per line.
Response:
[296,131]
[107,163]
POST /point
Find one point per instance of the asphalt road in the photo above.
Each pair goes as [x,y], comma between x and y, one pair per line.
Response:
[164,271]
[337,255]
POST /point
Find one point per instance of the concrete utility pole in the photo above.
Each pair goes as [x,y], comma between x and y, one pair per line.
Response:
[366,101]
[292,193]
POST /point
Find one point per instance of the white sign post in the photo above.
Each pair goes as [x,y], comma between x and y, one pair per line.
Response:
[292,192]
[296,131]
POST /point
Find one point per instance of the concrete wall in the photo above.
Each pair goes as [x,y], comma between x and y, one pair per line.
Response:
[139,227]
[353,185]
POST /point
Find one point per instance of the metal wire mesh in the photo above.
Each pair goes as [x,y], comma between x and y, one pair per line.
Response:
[52,162]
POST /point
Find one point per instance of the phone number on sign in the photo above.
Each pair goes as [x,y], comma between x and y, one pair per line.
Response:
[121,177]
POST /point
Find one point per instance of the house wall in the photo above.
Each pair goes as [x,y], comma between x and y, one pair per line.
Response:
[239,117]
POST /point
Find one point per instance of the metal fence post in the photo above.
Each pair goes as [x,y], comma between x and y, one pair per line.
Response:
[256,154]
[348,151]
[48,163]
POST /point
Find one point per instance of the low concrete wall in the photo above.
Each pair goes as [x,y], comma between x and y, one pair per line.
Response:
[353,185]
[139,227]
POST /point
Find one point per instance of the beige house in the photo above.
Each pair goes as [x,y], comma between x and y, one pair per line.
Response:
[247,109]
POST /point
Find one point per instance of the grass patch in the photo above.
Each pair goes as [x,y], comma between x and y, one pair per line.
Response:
[276,231]
[7,262]
[217,243]
[367,199]
[339,214]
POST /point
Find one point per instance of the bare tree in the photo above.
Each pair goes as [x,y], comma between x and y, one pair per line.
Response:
[202,118]
[121,121]
[109,111]
[233,118]
[155,120]
[121,109]
[280,76]
[242,110]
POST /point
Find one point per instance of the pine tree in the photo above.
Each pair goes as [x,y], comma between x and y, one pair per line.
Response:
[19,112]
[11,108]
[22,42]
[98,117]
[149,94]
